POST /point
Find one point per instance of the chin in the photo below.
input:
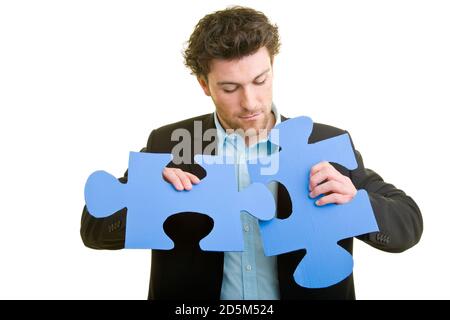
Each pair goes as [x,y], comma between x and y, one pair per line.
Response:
[255,126]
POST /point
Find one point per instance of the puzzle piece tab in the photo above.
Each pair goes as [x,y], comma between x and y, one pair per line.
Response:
[316,229]
[150,201]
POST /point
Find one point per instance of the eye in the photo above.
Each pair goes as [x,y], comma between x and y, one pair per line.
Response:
[229,90]
[260,83]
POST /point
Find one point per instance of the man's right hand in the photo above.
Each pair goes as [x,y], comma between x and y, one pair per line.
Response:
[181,180]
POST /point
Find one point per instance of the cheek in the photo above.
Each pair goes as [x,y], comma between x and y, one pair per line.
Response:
[268,88]
[228,102]
[265,95]
[221,97]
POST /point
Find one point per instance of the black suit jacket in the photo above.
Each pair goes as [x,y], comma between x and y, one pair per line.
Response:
[187,272]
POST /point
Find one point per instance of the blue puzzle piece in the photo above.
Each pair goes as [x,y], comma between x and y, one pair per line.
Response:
[150,201]
[316,229]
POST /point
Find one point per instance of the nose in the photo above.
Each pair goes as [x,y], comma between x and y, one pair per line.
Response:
[249,99]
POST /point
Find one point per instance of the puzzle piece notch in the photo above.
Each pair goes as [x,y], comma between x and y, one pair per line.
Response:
[150,201]
[222,170]
[311,227]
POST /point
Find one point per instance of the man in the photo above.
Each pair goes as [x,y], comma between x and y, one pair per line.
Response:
[231,53]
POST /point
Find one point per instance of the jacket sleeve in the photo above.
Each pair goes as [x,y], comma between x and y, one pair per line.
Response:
[104,233]
[398,216]
[109,232]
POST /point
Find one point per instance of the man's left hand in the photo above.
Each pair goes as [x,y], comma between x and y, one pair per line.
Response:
[336,187]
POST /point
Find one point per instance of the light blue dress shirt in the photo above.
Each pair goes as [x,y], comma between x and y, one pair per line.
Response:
[248,275]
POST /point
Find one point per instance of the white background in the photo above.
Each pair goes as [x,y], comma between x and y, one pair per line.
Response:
[82,83]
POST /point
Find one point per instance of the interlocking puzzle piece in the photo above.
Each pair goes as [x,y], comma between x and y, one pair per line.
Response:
[316,229]
[150,201]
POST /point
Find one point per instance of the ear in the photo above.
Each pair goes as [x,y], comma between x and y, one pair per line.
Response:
[204,84]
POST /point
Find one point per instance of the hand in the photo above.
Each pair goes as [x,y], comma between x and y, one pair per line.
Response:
[180,179]
[337,188]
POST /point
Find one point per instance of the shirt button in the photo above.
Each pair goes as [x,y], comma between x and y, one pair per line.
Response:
[249,267]
[246,228]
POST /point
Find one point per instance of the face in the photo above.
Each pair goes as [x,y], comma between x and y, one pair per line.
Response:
[242,91]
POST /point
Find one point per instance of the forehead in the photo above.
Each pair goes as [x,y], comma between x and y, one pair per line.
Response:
[240,70]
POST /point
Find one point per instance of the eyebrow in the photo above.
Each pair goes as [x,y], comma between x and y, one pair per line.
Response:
[220,83]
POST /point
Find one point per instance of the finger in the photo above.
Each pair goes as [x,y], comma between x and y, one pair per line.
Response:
[317,179]
[326,173]
[171,177]
[184,179]
[333,198]
[194,179]
[332,186]
[316,168]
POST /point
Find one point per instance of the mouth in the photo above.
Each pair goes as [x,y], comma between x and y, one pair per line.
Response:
[251,116]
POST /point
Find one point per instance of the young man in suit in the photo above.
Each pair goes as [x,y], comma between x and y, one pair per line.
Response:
[231,52]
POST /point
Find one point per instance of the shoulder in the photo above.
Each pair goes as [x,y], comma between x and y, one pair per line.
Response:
[324,131]
[160,138]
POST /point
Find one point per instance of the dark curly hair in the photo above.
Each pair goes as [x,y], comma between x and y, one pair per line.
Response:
[229,34]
